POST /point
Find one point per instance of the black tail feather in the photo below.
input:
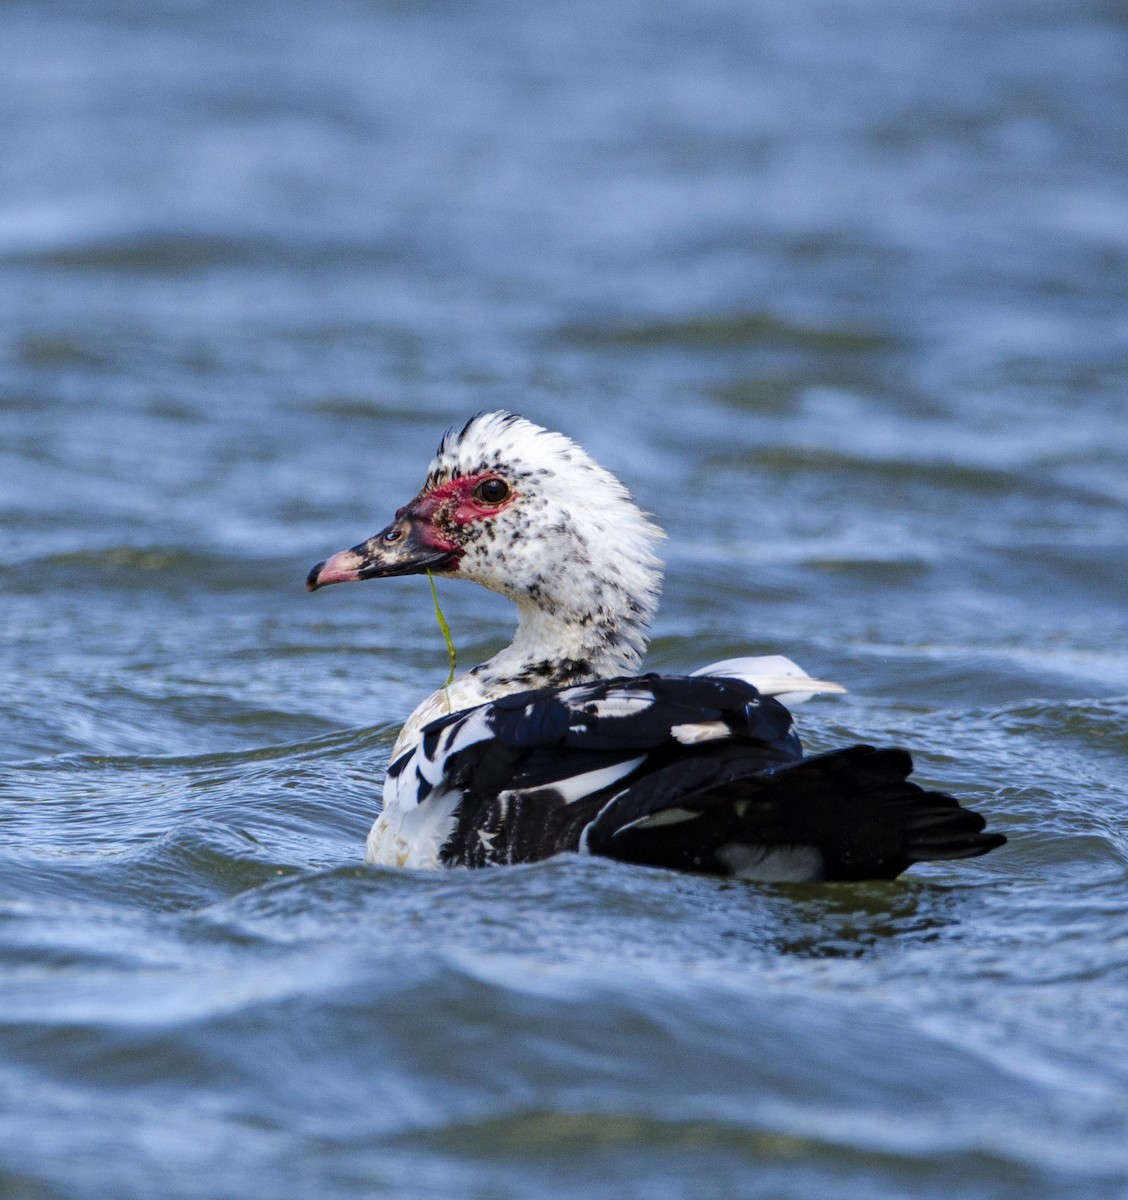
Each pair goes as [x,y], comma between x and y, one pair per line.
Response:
[855,807]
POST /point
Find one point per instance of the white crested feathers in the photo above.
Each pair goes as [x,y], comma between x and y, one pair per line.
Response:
[573,540]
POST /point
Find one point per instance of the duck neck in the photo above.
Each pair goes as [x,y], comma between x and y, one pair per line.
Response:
[551,649]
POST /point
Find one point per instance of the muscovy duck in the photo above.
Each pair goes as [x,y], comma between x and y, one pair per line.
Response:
[555,744]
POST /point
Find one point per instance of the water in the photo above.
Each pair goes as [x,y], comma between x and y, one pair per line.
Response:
[840,291]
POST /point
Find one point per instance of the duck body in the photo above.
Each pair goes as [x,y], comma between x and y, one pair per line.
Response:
[557,744]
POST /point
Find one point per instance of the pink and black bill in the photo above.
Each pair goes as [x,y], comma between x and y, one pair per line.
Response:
[406,547]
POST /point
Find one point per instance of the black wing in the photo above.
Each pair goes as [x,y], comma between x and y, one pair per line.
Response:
[850,814]
[692,773]
[542,764]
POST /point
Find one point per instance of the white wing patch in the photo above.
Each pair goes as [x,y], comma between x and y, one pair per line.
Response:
[665,816]
[473,728]
[576,787]
[419,810]
[402,787]
[618,704]
[773,675]
[706,731]
[773,864]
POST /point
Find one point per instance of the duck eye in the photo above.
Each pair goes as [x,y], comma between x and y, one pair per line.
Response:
[492,491]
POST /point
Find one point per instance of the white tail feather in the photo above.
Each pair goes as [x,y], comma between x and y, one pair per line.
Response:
[773,675]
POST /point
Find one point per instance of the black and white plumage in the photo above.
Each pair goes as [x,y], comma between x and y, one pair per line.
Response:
[556,745]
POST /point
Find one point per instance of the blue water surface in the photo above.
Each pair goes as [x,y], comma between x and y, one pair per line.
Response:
[840,290]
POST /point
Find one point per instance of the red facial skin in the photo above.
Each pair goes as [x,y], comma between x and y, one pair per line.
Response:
[452,504]
[432,520]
